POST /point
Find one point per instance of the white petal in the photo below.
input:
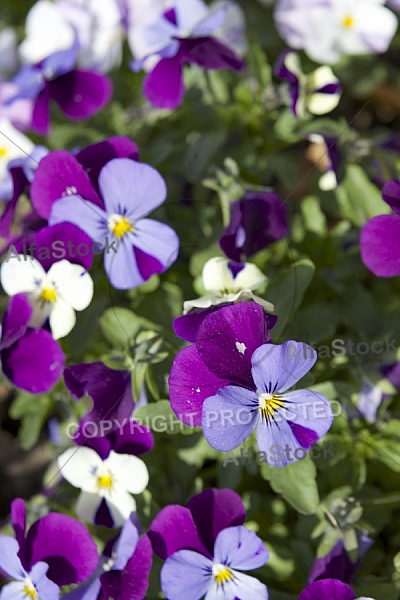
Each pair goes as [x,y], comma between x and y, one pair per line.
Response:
[121,505]
[267,306]
[129,471]
[78,465]
[87,506]
[18,275]
[328,181]
[202,302]
[62,319]
[41,310]
[217,276]
[321,104]
[249,278]
[73,283]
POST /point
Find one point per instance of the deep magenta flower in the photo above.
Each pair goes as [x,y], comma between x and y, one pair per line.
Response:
[221,356]
[380,237]
[329,588]
[79,94]
[337,564]
[56,551]
[257,220]
[31,359]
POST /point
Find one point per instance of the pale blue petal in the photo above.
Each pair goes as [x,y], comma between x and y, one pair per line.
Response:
[241,586]
[13,591]
[87,591]
[240,548]
[186,574]
[121,266]
[157,240]
[278,442]
[82,213]
[10,563]
[46,588]
[309,410]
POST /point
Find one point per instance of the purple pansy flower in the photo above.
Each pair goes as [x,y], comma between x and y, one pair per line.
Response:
[203,545]
[327,589]
[31,359]
[392,373]
[332,163]
[139,247]
[257,220]
[380,237]
[225,342]
[188,32]
[317,93]
[278,416]
[56,551]
[108,426]
[124,569]
[79,94]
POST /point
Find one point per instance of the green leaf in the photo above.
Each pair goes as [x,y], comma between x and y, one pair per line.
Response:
[201,152]
[33,411]
[119,325]
[314,218]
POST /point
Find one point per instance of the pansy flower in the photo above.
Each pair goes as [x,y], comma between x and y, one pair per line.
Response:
[206,547]
[188,32]
[54,295]
[329,588]
[225,342]
[135,247]
[257,220]
[369,399]
[79,94]
[317,93]
[325,152]
[106,485]
[30,358]
[124,568]
[56,551]
[296,419]
[380,237]
[226,282]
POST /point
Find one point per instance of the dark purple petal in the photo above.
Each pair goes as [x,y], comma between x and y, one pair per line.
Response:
[147,265]
[132,438]
[220,334]
[34,363]
[257,220]
[190,383]
[81,94]
[65,545]
[103,515]
[164,86]
[328,588]
[86,436]
[209,53]
[337,564]
[59,175]
[391,194]
[187,326]
[19,182]
[174,529]
[282,72]
[94,157]
[380,245]
[41,112]
[213,510]
[132,582]
[18,520]
[63,241]
[15,320]
[392,372]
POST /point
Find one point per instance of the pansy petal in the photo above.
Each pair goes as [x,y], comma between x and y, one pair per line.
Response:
[209,53]
[174,529]
[84,214]
[15,320]
[18,520]
[35,363]
[213,510]
[13,591]
[41,113]
[227,339]
[87,506]
[241,586]
[391,194]
[157,240]
[63,241]
[121,266]
[276,368]
[186,570]
[81,94]
[130,471]
[380,245]
[229,417]
[121,505]
[134,187]
[309,414]
[87,591]
[78,466]
[125,545]
[65,545]
[187,326]
[190,382]
[240,548]
[275,436]
[45,587]
[19,276]
[321,590]
[164,86]
[132,438]
[62,319]
[10,564]
[73,283]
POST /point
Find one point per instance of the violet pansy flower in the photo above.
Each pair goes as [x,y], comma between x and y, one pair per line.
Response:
[136,247]
[30,358]
[369,399]
[329,588]
[257,220]
[380,237]
[105,485]
[79,94]
[278,416]
[317,93]
[221,356]
[188,32]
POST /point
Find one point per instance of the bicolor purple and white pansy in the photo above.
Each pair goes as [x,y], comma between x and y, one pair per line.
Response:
[279,417]
[106,485]
[142,247]
[54,295]
[317,93]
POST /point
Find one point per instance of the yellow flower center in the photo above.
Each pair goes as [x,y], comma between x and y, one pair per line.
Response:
[105,481]
[119,226]
[48,295]
[222,574]
[3,152]
[269,404]
[348,22]
[29,591]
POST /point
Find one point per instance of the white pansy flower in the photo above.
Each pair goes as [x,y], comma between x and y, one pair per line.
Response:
[54,295]
[112,480]
[229,282]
